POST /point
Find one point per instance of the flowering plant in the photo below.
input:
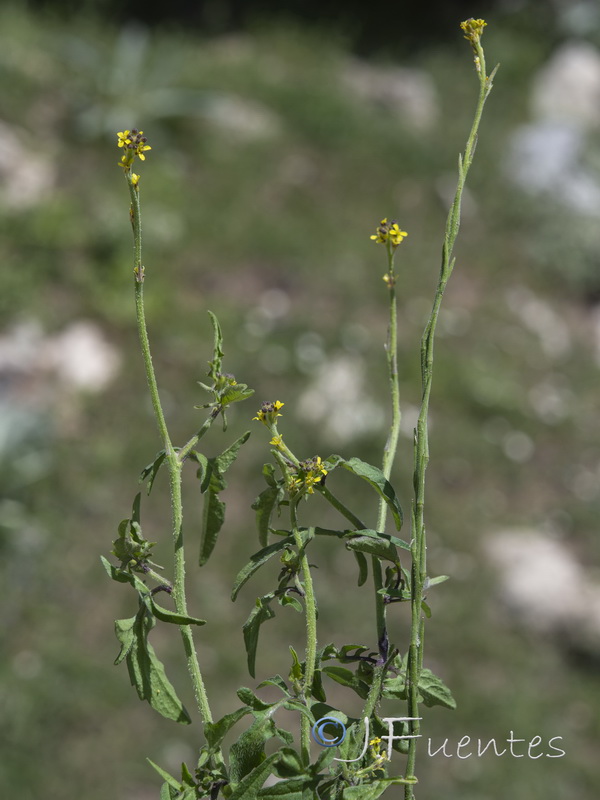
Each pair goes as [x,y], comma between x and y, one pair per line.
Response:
[344,769]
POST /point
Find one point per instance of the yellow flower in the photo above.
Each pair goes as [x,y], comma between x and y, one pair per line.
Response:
[389,231]
[314,472]
[134,143]
[269,412]
[123,138]
[135,179]
[294,485]
[276,441]
[473,30]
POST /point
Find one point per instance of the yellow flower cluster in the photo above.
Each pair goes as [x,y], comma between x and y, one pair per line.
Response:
[389,231]
[269,412]
[379,756]
[134,144]
[312,472]
[473,29]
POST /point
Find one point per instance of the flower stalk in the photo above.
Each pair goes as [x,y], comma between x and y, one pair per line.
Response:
[473,30]
[173,462]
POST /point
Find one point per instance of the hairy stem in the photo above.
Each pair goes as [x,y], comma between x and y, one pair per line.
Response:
[311,630]
[389,450]
[172,461]
[421,443]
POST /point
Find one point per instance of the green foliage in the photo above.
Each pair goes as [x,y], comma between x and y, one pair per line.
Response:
[213,483]
[146,672]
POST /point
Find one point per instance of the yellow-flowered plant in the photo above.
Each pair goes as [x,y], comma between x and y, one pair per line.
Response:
[380,669]
[473,30]
[389,232]
[134,143]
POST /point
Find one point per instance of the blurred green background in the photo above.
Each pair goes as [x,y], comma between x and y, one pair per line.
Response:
[278,145]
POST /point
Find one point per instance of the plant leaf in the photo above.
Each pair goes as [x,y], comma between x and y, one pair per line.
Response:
[227,457]
[276,680]
[288,600]
[250,785]
[186,776]
[264,505]
[146,671]
[429,582]
[165,776]
[124,629]
[213,517]
[375,477]
[248,751]
[164,615]
[371,790]
[168,792]
[434,691]
[251,628]
[256,561]
[215,732]
[363,566]
[150,472]
[213,514]
[248,697]
[215,364]
[373,545]
[347,678]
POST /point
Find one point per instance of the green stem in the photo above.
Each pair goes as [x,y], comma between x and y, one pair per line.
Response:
[172,461]
[421,449]
[311,630]
[391,445]
[189,446]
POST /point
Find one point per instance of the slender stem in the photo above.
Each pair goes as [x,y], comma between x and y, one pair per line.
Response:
[172,461]
[311,629]
[189,446]
[389,451]
[179,597]
[421,445]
